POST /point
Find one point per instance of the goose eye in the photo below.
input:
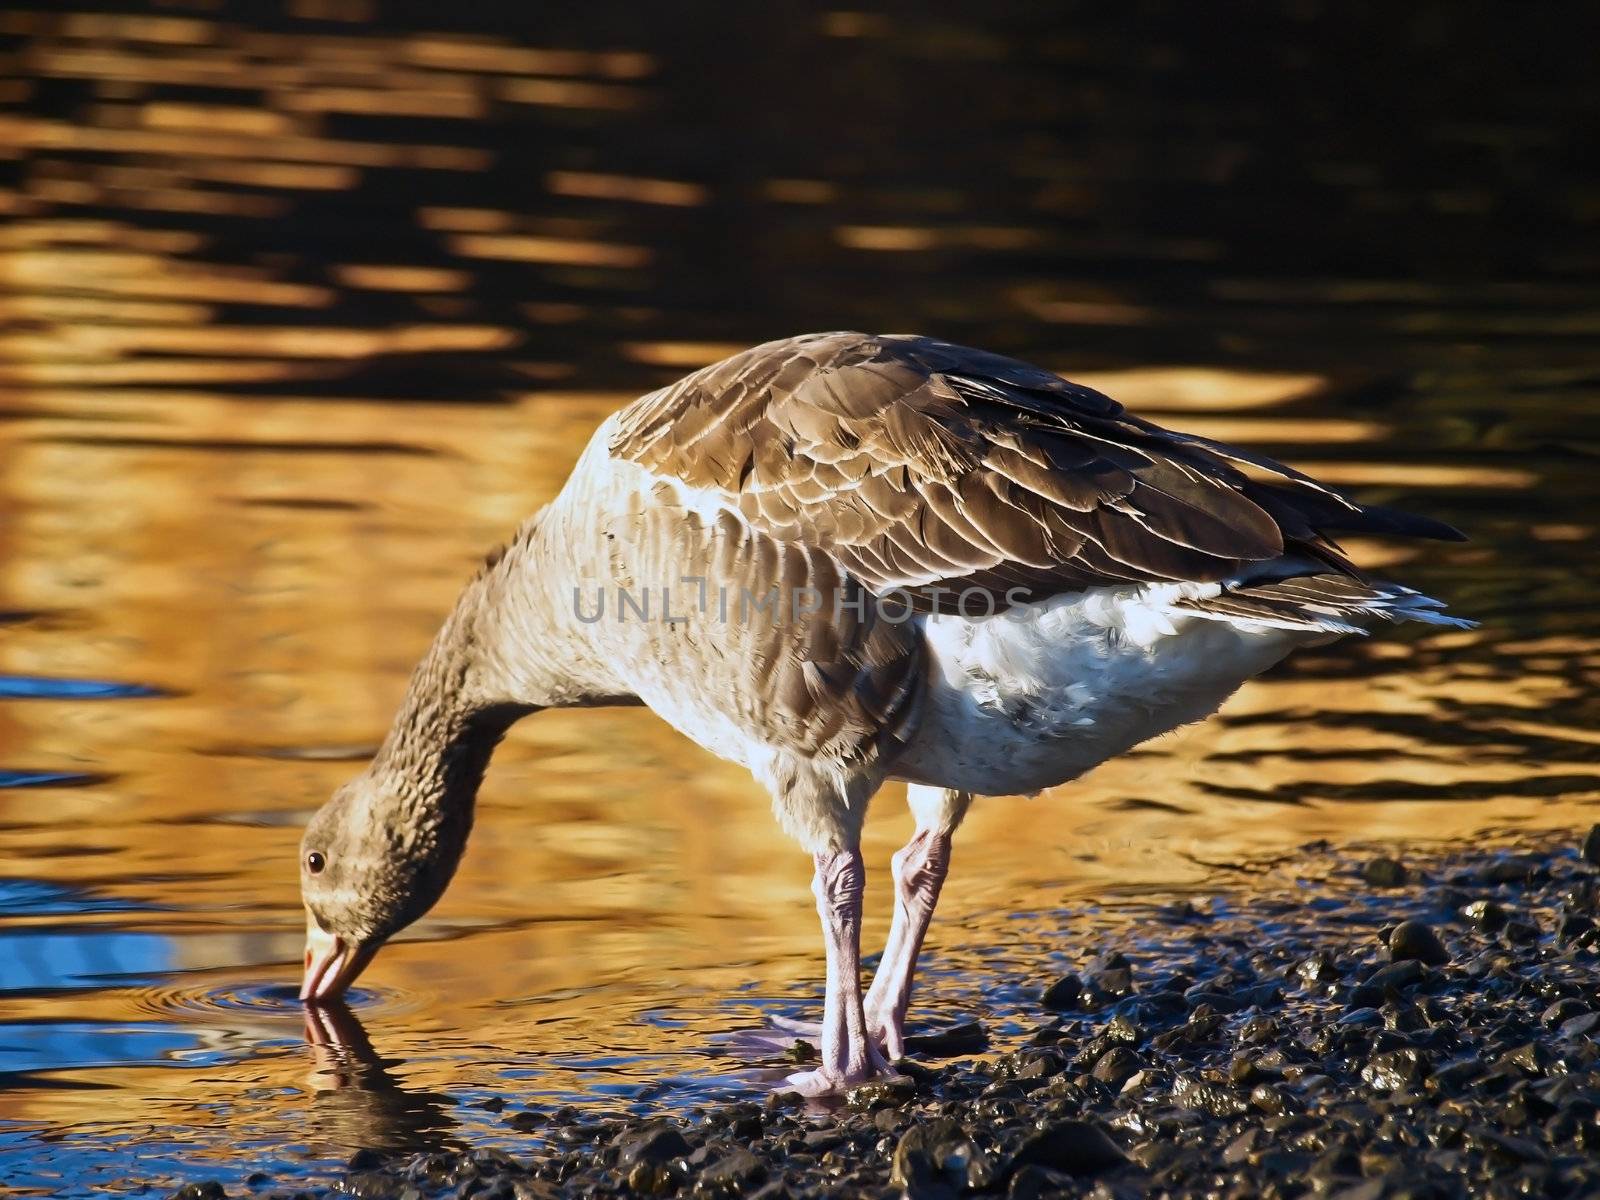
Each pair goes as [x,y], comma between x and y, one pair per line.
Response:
[315,862]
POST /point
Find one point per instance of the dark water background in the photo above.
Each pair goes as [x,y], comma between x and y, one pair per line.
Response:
[299,314]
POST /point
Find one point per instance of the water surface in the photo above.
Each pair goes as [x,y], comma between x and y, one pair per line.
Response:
[302,317]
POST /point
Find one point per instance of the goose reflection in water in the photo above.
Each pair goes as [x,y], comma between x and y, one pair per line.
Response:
[356,1099]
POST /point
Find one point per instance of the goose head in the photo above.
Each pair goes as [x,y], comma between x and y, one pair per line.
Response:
[370,864]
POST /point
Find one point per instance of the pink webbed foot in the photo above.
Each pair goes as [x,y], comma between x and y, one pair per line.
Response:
[832,1079]
[803,1041]
[826,1081]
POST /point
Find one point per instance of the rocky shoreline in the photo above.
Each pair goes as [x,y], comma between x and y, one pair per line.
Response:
[1389,1029]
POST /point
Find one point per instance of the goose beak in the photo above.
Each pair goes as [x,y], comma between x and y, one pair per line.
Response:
[332,964]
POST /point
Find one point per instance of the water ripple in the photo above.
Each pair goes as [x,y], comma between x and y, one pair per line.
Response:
[271,1002]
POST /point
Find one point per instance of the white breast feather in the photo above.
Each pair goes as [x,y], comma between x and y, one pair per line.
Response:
[1037,696]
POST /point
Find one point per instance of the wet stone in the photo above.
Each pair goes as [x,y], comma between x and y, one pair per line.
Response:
[649,1179]
[1576,927]
[1240,1149]
[657,1142]
[1107,979]
[1362,1018]
[1395,977]
[1415,940]
[1039,1065]
[1529,1057]
[1116,1066]
[1073,1147]
[821,1140]
[1210,1098]
[1267,1098]
[881,1093]
[1591,845]
[1395,1070]
[1487,915]
[1580,1026]
[1581,894]
[969,1037]
[1508,1149]
[1243,1070]
[1385,873]
[1063,994]
[1318,969]
[1512,869]
[1122,1028]
[932,1158]
[1563,1011]
[1259,1030]
[1145,1079]
[1103,987]
[1403,1017]
[1037,1183]
[1370,1189]
[739,1169]
[1264,995]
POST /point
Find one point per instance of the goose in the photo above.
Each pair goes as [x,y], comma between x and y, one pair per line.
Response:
[842,559]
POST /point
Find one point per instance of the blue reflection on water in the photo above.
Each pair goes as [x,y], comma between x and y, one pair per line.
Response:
[19,779]
[90,1162]
[38,687]
[64,1045]
[44,959]
[38,897]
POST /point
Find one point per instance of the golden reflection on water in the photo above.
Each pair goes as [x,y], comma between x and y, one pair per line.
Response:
[235,467]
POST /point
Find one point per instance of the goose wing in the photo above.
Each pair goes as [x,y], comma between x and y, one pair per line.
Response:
[930,469]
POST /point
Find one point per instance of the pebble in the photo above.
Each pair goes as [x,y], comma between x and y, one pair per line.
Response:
[1485,914]
[655,1143]
[1563,1011]
[1116,1066]
[1385,873]
[1591,845]
[1395,1070]
[1063,994]
[969,1037]
[1072,1147]
[736,1170]
[1514,868]
[1414,939]
[882,1093]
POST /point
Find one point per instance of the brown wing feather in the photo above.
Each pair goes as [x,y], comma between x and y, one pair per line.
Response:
[918,464]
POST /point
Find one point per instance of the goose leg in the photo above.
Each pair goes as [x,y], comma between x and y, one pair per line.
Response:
[919,870]
[847,1054]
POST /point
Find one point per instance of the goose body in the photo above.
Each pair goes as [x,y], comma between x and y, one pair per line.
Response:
[842,559]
